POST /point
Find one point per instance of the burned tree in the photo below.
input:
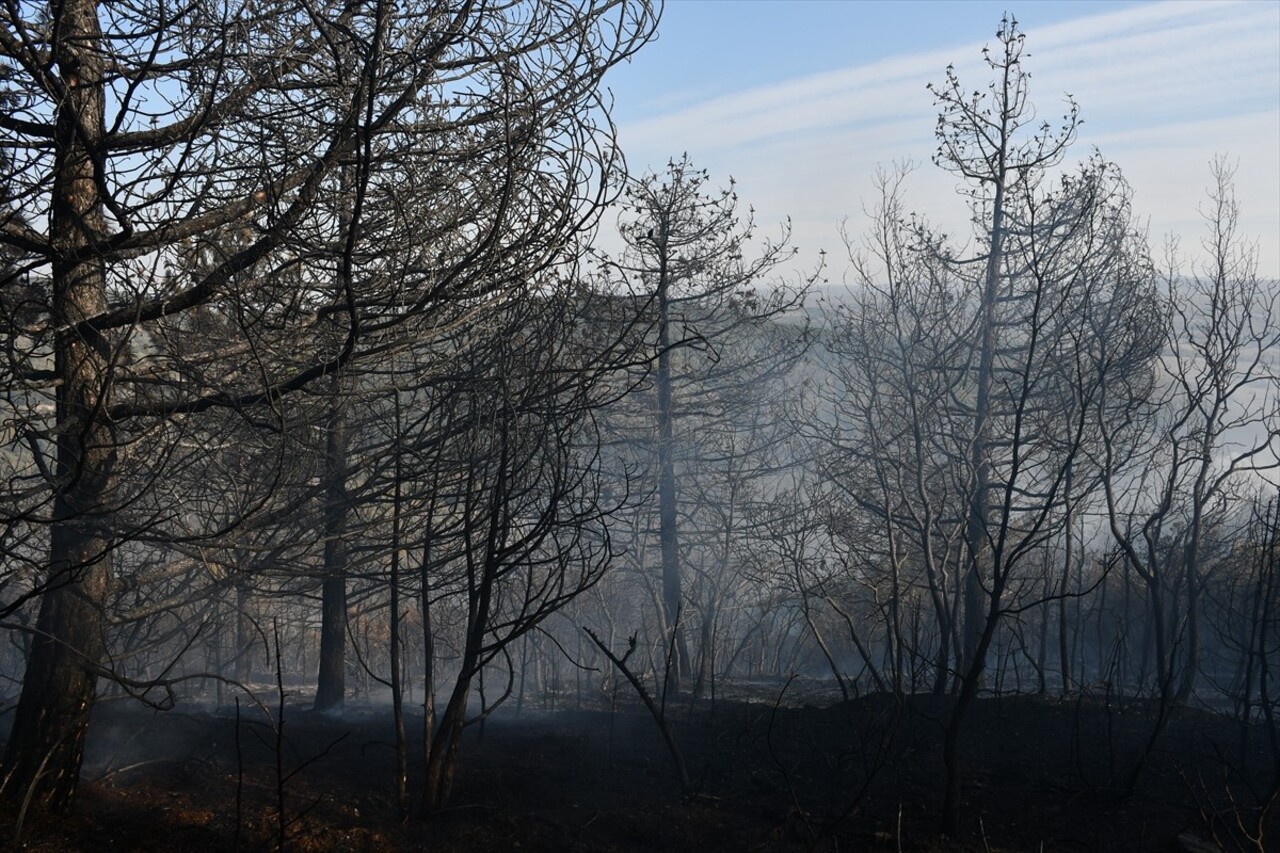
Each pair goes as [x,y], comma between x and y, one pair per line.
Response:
[976,376]
[476,150]
[1212,424]
[717,331]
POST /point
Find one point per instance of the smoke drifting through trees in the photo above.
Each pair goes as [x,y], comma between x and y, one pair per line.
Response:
[312,376]
[346,176]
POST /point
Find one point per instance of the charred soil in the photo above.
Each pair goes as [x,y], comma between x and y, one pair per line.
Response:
[1040,774]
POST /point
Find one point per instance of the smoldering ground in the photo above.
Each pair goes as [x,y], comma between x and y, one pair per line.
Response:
[767,774]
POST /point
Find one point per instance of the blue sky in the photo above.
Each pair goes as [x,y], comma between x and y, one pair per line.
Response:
[801,100]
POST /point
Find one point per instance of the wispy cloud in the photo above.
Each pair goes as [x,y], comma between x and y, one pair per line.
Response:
[1162,89]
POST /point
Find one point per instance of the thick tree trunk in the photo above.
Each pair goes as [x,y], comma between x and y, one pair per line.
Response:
[331,678]
[46,744]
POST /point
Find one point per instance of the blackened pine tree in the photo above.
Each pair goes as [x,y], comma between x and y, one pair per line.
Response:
[475,145]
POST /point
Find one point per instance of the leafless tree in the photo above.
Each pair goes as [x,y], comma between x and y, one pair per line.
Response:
[474,144]
[883,419]
[525,490]
[690,251]
[1213,423]
[982,371]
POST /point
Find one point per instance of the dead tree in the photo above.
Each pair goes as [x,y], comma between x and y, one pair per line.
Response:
[477,147]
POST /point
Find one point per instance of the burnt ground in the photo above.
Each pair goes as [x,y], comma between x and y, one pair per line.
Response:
[1042,774]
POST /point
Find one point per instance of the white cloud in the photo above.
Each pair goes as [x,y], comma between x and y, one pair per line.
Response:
[1162,89]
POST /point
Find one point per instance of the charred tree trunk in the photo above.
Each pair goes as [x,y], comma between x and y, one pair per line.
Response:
[1191,665]
[46,744]
[667,519]
[245,638]
[976,532]
[442,755]
[969,685]
[1064,648]
[428,665]
[442,758]
[331,681]
[397,688]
